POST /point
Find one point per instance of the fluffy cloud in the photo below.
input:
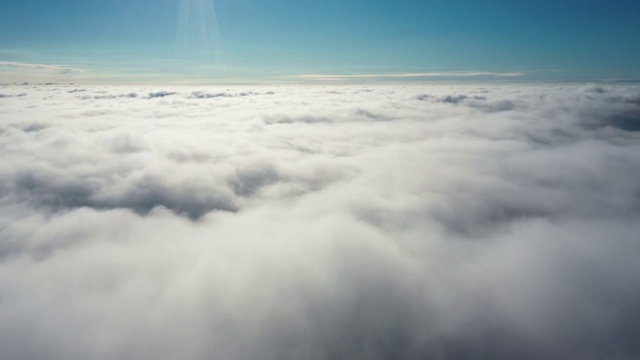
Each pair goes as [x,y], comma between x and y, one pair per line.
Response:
[344,222]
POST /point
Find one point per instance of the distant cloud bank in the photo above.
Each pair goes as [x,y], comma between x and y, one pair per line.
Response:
[319,222]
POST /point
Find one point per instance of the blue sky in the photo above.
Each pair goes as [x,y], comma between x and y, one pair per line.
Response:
[254,40]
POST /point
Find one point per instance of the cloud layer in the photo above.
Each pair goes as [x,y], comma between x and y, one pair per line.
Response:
[344,222]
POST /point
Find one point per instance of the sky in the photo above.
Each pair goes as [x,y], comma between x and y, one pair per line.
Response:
[321,40]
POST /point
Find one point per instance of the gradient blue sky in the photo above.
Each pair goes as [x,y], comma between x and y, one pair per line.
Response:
[123,40]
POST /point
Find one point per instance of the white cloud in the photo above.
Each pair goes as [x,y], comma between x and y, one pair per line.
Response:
[319,222]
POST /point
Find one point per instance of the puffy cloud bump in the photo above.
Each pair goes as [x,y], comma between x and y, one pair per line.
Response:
[337,222]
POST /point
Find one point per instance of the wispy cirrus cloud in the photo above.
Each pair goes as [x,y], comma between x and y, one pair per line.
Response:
[416,75]
[59,69]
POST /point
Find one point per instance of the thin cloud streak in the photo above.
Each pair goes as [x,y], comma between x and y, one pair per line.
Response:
[53,68]
[457,74]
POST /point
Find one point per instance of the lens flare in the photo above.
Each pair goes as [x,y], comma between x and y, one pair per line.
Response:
[198,30]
